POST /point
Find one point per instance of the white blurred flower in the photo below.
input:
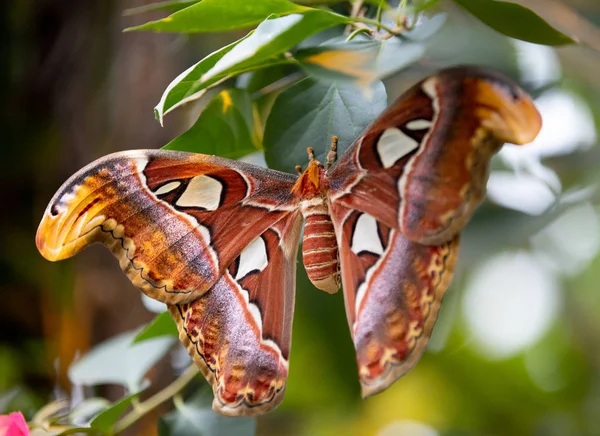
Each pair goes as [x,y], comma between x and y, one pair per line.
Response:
[509,303]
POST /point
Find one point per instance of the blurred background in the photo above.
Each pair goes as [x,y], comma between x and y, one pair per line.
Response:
[516,350]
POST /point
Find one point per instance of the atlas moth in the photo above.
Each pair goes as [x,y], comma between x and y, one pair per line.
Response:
[217,239]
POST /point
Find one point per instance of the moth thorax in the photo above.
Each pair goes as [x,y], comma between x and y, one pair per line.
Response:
[319,246]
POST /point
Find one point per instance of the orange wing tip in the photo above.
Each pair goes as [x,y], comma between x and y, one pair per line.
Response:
[51,244]
[513,118]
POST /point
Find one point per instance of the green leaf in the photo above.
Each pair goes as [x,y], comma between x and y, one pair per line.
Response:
[196,418]
[187,86]
[261,48]
[224,128]
[258,80]
[221,15]
[309,113]
[161,325]
[105,420]
[515,21]
[117,361]
[271,38]
[362,62]
[88,409]
[170,6]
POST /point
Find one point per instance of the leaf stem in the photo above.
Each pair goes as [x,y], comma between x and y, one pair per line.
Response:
[360,21]
[375,23]
[357,32]
[379,13]
[156,400]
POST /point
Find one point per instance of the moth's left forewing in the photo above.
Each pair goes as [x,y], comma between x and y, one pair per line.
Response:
[174,220]
[393,289]
[239,331]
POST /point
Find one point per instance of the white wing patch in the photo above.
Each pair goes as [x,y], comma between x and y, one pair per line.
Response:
[366,236]
[393,145]
[168,187]
[419,124]
[253,258]
[202,191]
[429,87]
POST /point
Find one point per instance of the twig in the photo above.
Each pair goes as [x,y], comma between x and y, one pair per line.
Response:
[378,16]
[361,22]
[157,399]
[354,12]
[358,31]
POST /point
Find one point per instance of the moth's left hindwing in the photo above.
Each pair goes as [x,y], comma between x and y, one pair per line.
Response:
[239,331]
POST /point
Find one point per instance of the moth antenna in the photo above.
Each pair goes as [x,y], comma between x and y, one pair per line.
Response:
[311,153]
[332,155]
[299,170]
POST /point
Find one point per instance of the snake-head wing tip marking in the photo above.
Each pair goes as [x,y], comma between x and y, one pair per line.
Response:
[54,241]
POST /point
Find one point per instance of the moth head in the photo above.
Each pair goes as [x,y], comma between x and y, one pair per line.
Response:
[309,182]
[506,111]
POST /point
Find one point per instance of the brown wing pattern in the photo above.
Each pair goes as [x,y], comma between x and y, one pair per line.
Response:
[393,289]
[217,239]
[399,198]
[239,331]
[422,166]
[174,220]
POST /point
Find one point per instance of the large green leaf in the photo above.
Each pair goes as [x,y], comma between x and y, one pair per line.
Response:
[271,38]
[515,21]
[196,418]
[309,113]
[161,325]
[224,128]
[117,361]
[261,48]
[221,15]
[188,86]
[258,80]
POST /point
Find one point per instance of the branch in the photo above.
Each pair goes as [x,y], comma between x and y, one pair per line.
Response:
[157,399]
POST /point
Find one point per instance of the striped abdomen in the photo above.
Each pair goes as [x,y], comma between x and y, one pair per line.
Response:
[319,247]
